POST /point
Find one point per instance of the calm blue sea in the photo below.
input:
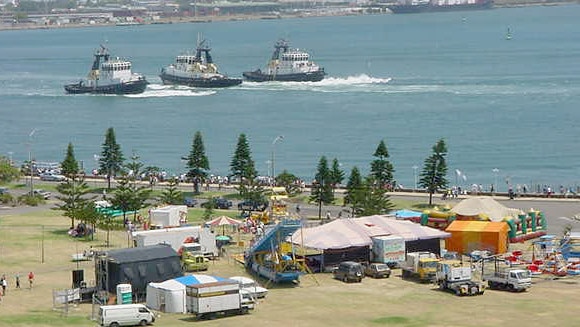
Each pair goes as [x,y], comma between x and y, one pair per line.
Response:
[410,80]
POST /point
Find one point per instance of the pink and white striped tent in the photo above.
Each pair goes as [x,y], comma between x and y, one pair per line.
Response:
[352,232]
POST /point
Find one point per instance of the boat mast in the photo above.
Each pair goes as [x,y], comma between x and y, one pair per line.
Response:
[280,45]
[101,53]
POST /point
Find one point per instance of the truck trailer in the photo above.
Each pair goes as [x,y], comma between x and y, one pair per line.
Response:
[388,249]
[220,298]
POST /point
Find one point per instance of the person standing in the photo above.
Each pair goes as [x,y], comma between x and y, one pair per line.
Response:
[17,277]
[4,284]
[30,279]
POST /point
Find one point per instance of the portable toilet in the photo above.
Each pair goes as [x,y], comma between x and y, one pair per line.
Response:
[124,294]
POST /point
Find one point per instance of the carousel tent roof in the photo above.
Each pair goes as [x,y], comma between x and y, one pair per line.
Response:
[484,205]
[344,233]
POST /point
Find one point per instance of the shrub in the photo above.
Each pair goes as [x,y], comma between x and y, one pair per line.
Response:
[31,200]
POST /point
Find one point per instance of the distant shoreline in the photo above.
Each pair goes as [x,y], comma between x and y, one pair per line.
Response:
[172,20]
[209,19]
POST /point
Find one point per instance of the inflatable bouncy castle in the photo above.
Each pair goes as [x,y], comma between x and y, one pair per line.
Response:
[521,225]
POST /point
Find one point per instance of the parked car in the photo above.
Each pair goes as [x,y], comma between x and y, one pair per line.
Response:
[3,190]
[251,286]
[377,270]
[219,203]
[250,205]
[50,177]
[190,202]
[348,271]
[44,194]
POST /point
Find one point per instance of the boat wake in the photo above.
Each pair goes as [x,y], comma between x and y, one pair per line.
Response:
[160,91]
[329,84]
[353,80]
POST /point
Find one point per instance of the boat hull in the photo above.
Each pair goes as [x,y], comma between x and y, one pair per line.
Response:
[425,8]
[274,276]
[214,82]
[131,87]
[259,76]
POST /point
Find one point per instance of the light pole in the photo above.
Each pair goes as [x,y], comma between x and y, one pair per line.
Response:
[276,140]
[495,171]
[415,177]
[30,160]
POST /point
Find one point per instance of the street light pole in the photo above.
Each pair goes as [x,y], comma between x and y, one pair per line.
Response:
[276,140]
[495,171]
[415,177]
[319,190]
[30,160]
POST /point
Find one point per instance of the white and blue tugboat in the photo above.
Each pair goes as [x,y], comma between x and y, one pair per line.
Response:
[197,70]
[288,65]
[109,76]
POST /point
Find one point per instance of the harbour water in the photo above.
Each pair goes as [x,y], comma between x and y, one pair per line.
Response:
[511,105]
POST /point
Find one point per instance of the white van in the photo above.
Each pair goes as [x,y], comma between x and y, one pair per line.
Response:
[125,315]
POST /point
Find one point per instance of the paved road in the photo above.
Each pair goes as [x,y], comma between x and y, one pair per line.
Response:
[560,212]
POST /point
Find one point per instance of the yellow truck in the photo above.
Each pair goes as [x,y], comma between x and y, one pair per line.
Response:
[192,258]
[420,265]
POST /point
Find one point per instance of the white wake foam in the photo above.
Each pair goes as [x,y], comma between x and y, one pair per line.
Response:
[159,91]
[353,80]
[327,84]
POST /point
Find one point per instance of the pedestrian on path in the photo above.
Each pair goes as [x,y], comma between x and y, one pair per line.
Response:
[17,277]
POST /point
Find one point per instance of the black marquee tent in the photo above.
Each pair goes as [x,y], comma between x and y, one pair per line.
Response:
[136,266]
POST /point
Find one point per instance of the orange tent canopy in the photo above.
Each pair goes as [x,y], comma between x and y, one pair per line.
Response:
[467,236]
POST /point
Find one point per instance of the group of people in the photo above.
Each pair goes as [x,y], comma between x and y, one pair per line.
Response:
[80,231]
[4,283]
[254,227]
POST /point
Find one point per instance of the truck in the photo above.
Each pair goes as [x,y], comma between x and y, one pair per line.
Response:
[193,258]
[178,236]
[388,249]
[517,280]
[452,276]
[169,216]
[125,315]
[420,265]
[225,297]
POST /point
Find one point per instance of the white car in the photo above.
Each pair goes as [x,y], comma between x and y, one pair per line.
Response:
[44,194]
[251,286]
[52,177]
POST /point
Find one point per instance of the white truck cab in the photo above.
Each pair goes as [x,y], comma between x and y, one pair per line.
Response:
[125,315]
[510,279]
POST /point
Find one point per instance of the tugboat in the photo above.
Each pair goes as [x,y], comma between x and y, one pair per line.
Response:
[197,70]
[287,65]
[109,76]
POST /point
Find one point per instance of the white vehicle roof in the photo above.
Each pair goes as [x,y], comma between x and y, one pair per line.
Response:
[243,280]
[249,283]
